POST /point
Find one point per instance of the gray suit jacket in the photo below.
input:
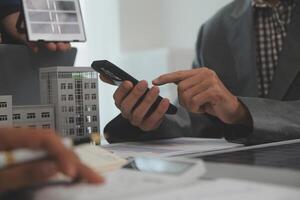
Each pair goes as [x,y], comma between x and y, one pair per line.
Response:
[227,45]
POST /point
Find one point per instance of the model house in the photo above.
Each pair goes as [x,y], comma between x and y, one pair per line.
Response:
[74,93]
[38,116]
[31,116]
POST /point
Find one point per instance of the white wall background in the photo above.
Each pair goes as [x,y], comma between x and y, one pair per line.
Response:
[144,37]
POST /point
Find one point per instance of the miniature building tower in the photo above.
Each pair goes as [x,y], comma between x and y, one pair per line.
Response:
[74,93]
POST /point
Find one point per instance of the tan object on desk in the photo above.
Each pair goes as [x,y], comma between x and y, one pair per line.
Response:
[99,159]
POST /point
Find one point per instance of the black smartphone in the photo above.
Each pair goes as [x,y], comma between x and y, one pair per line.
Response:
[117,76]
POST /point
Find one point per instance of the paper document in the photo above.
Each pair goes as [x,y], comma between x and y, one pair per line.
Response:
[170,147]
[99,159]
[228,189]
[119,186]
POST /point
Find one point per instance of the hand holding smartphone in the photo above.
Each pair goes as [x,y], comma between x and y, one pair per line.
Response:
[117,76]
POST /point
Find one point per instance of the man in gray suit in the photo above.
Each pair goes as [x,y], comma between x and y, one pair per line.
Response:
[249,93]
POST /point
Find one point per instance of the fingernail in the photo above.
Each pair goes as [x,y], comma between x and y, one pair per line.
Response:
[156,81]
[166,101]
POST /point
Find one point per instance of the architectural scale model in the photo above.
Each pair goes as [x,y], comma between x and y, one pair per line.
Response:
[33,116]
[70,103]
[74,93]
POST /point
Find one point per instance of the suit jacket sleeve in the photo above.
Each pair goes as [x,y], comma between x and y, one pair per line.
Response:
[273,121]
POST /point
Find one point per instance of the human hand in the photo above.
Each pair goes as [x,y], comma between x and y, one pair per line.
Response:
[9,24]
[51,46]
[201,91]
[60,159]
[128,100]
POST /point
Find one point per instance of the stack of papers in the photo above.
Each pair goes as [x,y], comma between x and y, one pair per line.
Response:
[99,159]
[170,147]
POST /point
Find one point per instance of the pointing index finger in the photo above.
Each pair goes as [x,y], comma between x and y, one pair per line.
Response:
[174,77]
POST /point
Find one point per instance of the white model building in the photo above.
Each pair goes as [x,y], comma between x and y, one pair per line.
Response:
[74,93]
[31,116]
[6,111]
[39,116]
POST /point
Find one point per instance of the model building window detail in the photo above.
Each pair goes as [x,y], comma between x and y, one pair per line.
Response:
[45,115]
[30,115]
[16,116]
[3,105]
[93,85]
[70,86]
[63,86]
[3,117]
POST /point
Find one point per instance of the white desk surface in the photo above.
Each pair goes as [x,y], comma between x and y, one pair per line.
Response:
[251,173]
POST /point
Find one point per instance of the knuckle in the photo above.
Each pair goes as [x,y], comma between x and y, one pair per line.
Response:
[141,87]
[138,93]
[139,90]
[149,99]
[136,117]
[210,73]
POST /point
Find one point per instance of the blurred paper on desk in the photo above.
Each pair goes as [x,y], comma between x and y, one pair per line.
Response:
[229,189]
[220,189]
[170,147]
[99,159]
